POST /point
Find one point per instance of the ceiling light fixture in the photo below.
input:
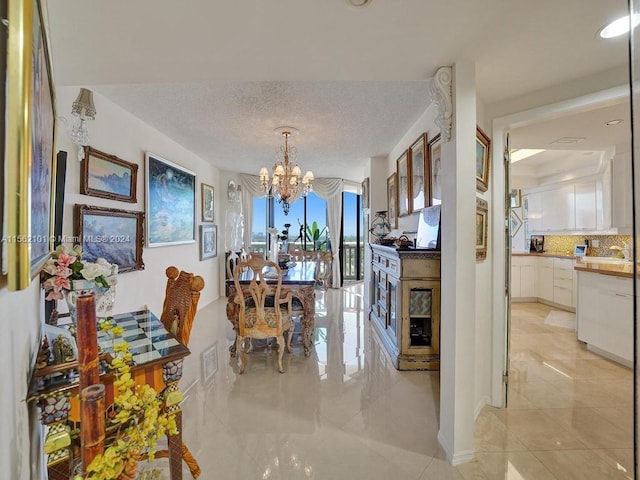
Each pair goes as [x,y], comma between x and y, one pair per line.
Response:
[286,186]
[84,109]
[618,27]
[522,153]
[359,3]
[614,122]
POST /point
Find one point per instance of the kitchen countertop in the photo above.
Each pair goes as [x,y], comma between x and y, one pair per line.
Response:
[544,254]
[614,269]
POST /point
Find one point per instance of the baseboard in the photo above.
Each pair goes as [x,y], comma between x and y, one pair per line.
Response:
[457,459]
[556,305]
[610,356]
[485,400]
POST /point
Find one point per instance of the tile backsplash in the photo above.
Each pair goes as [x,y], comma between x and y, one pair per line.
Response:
[563,244]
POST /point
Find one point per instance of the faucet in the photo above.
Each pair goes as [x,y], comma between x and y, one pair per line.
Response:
[626,251]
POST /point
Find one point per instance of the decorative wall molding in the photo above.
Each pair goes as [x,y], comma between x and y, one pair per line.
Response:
[440,90]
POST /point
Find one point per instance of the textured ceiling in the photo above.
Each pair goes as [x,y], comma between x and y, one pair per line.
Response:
[351,79]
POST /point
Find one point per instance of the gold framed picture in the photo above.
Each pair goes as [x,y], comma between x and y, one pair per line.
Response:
[483,152]
[404,185]
[482,228]
[419,174]
[392,199]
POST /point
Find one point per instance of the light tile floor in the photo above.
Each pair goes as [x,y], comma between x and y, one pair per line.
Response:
[346,413]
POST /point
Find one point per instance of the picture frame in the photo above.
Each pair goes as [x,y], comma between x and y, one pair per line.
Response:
[482,228]
[483,152]
[113,234]
[208,241]
[419,174]
[434,157]
[107,176]
[525,207]
[207,202]
[365,193]
[209,363]
[404,184]
[30,172]
[170,192]
[515,198]
[514,223]
[392,199]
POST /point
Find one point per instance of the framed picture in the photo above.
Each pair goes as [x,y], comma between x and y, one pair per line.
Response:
[481,228]
[209,362]
[206,196]
[514,223]
[525,206]
[404,185]
[419,174]
[171,202]
[392,199]
[434,155]
[516,198]
[112,234]
[107,176]
[208,241]
[365,193]
[483,144]
[30,172]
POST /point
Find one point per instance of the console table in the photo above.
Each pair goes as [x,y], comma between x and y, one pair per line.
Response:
[404,305]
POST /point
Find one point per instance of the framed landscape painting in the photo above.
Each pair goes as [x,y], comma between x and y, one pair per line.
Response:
[419,174]
[392,199]
[171,202]
[404,185]
[107,176]
[112,234]
[206,196]
[434,156]
[482,228]
[483,144]
[208,241]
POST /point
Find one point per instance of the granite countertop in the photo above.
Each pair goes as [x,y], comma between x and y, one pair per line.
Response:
[544,254]
[615,269]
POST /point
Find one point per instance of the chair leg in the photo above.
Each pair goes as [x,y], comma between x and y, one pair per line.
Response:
[280,340]
[241,353]
[289,336]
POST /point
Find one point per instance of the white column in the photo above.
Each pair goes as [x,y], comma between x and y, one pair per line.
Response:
[458,272]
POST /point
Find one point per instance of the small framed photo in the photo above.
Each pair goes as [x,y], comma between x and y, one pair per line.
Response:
[365,193]
[482,228]
[525,207]
[170,202]
[206,195]
[434,156]
[483,148]
[516,198]
[107,176]
[404,184]
[419,174]
[209,363]
[392,199]
[208,241]
[112,234]
[515,223]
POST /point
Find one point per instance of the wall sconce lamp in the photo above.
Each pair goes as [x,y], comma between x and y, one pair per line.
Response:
[84,109]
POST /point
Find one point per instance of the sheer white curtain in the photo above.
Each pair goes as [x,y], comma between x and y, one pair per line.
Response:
[328,188]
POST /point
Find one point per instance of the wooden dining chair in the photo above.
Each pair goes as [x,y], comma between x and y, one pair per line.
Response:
[231,262]
[263,312]
[324,269]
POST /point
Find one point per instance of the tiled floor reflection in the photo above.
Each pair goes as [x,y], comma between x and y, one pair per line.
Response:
[346,413]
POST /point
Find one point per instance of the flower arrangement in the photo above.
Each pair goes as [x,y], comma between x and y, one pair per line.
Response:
[137,418]
[65,266]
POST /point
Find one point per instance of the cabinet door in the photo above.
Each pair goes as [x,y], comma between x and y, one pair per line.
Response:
[420,316]
[534,212]
[585,198]
[558,209]
[528,281]
[621,191]
[545,279]
[515,281]
[587,308]
[392,313]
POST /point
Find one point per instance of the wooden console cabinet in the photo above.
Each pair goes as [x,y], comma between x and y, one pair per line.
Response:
[404,300]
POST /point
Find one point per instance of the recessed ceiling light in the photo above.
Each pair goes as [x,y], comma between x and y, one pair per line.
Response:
[522,153]
[618,27]
[359,3]
[614,122]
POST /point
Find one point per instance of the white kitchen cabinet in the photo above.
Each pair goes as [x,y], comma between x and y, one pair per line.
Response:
[523,278]
[534,215]
[558,209]
[605,314]
[585,206]
[545,279]
[563,282]
[621,192]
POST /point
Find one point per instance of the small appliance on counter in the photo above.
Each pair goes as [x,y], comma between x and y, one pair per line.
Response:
[537,244]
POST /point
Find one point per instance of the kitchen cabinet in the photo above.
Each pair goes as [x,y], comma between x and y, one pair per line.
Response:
[585,206]
[545,279]
[563,282]
[621,192]
[605,315]
[405,305]
[558,209]
[524,279]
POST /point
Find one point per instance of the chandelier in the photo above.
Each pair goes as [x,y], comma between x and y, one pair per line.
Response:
[287,185]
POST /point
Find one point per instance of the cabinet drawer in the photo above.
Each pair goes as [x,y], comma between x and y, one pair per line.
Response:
[562,296]
[566,283]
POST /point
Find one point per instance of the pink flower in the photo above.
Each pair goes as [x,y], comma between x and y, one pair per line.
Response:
[64,259]
[60,283]
[54,295]
[64,272]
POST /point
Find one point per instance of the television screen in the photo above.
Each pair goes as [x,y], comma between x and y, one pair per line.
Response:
[429,228]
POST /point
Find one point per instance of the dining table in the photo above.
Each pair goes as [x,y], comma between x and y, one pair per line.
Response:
[299,278]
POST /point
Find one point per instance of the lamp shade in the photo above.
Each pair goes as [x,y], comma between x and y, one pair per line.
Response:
[83,105]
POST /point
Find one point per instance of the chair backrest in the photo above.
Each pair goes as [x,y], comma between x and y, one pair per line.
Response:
[181,302]
[259,301]
[244,255]
[324,269]
[231,262]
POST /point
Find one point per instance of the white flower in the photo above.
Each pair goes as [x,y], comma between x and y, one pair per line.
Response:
[91,270]
[105,267]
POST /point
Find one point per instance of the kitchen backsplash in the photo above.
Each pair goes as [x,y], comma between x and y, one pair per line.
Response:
[563,244]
